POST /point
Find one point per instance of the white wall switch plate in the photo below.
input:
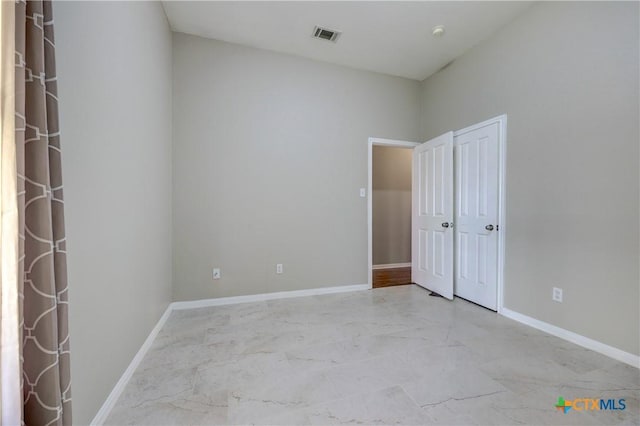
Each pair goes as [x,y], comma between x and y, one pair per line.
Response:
[557,294]
[216,273]
[363,192]
[279,269]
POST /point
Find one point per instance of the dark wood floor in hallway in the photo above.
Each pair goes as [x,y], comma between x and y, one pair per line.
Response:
[391,276]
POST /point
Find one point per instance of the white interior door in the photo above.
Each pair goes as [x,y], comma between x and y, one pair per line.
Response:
[476,227]
[432,215]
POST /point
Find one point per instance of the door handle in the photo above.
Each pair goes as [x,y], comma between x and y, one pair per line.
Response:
[445,224]
[489,227]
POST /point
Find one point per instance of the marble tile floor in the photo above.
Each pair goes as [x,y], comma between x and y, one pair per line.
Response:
[386,356]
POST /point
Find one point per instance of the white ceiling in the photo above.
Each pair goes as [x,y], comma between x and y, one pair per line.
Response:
[389,37]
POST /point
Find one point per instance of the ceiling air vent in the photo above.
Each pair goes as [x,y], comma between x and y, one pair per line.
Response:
[326,34]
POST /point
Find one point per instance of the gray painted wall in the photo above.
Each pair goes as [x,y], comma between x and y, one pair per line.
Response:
[391,205]
[567,76]
[270,151]
[114,67]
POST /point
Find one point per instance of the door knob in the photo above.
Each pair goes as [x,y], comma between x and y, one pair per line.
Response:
[489,227]
[445,224]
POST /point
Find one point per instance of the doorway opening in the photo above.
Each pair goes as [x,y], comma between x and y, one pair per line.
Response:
[391,198]
[390,182]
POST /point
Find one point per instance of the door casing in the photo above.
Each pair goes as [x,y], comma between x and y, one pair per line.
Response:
[377,142]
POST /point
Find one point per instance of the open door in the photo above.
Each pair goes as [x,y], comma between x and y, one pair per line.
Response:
[432,216]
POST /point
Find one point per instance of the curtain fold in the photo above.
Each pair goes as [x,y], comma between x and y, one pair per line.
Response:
[42,271]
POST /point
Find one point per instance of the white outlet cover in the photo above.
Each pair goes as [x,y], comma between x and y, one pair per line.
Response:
[216,273]
[363,192]
[279,268]
[557,294]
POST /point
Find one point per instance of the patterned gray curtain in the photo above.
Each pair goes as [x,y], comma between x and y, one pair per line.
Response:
[45,340]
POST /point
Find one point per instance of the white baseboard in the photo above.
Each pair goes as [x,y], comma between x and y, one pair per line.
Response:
[113,397]
[203,303]
[110,402]
[391,266]
[594,345]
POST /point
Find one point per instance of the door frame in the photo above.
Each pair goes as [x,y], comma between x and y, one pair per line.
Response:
[377,142]
[501,120]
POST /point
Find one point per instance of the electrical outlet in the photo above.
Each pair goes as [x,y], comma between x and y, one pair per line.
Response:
[216,273]
[279,268]
[363,192]
[557,294]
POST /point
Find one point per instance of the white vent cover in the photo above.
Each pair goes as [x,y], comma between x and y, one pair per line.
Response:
[326,34]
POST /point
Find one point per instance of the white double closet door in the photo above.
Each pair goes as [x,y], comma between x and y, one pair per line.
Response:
[455,200]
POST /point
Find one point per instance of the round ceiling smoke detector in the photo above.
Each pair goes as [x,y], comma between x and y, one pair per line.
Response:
[437,31]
